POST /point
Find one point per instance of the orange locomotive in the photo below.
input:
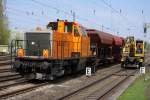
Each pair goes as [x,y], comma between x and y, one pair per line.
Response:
[62,48]
[70,38]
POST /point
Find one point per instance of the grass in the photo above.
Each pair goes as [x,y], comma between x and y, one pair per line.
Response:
[137,91]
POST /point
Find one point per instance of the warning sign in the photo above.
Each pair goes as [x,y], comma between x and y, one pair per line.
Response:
[88,71]
[142,70]
[45,53]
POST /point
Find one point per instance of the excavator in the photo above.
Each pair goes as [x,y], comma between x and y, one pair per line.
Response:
[132,53]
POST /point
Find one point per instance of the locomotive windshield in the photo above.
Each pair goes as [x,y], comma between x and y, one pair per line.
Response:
[36,42]
[53,26]
[68,27]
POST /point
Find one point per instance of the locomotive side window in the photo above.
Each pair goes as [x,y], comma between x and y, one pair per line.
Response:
[76,32]
[68,27]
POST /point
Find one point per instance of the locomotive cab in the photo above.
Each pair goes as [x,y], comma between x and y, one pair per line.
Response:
[63,47]
[71,34]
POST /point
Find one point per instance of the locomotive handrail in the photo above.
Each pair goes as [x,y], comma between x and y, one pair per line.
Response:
[11,53]
[65,45]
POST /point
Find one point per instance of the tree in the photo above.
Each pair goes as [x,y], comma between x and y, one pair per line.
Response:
[4,31]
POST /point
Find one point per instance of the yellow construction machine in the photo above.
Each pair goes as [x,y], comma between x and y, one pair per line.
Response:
[132,53]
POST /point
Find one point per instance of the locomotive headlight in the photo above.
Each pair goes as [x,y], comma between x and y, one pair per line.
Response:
[32,43]
[140,60]
[20,52]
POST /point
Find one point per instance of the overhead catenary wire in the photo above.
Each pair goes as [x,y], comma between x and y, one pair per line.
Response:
[18,13]
[70,14]
[118,12]
[32,13]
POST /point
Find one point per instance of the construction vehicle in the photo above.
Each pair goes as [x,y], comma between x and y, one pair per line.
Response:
[132,53]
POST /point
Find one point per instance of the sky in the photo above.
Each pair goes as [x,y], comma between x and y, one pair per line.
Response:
[118,17]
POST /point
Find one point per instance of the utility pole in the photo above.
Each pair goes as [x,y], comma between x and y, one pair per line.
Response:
[145,27]
[74,16]
[4,3]
[111,15]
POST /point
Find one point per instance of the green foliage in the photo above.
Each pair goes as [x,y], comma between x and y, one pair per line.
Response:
[4,32]
[136,91]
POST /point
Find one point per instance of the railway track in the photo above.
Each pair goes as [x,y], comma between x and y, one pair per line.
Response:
[110,90]
[5,70]
[96,90]
[99,94]
[10,77]
[6,91]
[5,60]
[25,86]
[5,64]
[19,89]
[9,83]
[88,93]
[7,57]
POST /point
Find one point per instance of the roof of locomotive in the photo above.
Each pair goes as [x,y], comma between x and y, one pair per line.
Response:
[65,21]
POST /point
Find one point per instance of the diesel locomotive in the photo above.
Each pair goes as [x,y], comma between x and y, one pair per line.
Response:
[63,48]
